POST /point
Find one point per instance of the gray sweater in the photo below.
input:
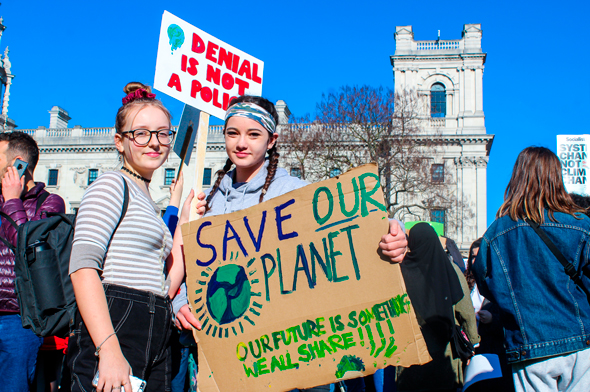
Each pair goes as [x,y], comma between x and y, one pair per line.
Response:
[229,199]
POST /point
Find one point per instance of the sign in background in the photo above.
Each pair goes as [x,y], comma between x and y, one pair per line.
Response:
[201,70]
[294,293]
[572,151]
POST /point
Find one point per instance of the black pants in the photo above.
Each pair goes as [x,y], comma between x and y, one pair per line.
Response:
[143,323]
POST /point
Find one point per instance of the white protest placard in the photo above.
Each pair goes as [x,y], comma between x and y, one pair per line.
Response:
[572,151]
[201,70]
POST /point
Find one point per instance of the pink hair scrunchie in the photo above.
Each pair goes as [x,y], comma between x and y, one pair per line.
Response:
[138,94]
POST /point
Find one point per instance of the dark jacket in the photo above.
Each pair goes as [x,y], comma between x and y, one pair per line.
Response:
[543,312]
[444,372]
[20,210]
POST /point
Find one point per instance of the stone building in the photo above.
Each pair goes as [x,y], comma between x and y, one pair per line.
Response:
[448,75]
[72,158]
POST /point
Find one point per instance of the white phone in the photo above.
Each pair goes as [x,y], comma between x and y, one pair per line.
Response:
[137,384]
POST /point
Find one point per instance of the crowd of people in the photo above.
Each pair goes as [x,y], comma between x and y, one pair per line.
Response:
[512,297]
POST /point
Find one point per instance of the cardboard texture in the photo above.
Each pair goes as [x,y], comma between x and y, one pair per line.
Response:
[293,292]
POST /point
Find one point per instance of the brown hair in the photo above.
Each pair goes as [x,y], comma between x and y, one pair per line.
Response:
[536,185]
[273,155]
[121,119]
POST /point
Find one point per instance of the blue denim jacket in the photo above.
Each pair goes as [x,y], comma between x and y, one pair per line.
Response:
[544,313]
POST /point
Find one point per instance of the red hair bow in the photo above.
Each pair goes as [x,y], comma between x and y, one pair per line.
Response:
[138,94]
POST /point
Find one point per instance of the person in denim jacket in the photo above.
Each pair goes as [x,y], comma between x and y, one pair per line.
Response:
[545,314]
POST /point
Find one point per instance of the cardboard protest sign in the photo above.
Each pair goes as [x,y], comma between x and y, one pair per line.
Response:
[293,292]
[572,151]
[201,70]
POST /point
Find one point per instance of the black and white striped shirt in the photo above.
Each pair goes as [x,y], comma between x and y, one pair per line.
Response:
[138,251]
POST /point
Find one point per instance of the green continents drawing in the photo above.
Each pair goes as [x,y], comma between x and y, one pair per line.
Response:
[226,299]
[228,293]
[175,36]
[349,363]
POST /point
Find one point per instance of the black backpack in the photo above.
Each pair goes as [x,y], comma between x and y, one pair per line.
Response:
[42,261]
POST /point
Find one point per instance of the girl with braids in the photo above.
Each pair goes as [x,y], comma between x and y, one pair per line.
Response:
[251,146]
[251,175]
[120,266]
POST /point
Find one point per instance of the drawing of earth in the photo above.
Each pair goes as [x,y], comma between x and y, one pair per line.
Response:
[352,365]
[176,36]
[228,293]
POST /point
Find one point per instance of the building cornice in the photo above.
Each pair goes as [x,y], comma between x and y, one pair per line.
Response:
[437,57]
[215,146]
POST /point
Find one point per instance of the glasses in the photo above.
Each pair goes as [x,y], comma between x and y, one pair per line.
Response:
[142,137]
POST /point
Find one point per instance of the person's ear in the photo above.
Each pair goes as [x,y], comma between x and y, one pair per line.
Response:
[119,143]
[272,140]
[18,157]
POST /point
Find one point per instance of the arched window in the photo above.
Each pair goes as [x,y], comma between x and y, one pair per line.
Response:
[438,101]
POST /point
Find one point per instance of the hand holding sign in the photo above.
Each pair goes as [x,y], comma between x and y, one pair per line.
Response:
[394,244]
[293,292]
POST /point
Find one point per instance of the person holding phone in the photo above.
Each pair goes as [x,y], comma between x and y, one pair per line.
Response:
[19,199]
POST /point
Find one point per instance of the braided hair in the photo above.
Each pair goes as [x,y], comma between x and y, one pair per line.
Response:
[273,154]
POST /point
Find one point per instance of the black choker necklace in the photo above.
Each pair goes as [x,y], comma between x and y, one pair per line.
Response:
[135,175]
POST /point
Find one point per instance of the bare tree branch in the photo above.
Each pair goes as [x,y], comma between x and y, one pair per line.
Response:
[359,125]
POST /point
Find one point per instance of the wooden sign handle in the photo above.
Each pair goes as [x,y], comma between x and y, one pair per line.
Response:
[202,133]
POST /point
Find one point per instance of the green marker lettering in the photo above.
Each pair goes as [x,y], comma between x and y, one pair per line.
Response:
[262,367]
[315,256]
[243,345]
[333,254]
[250,371]
[355,187]
[366,195]
[335,342]
[265,340]
[316,196]
[305,355]
[348,340]
[355,263]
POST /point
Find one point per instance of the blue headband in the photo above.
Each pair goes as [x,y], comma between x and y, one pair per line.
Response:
[253,112]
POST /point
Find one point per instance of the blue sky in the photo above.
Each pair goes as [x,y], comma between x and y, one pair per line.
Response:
[79,55]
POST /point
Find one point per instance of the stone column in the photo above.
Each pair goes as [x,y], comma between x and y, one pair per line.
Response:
[479,90]
[481,196]
[458,204]
[469,90]
[9,76]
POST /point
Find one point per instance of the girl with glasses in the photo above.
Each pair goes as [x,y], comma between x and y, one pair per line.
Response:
[122,264]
